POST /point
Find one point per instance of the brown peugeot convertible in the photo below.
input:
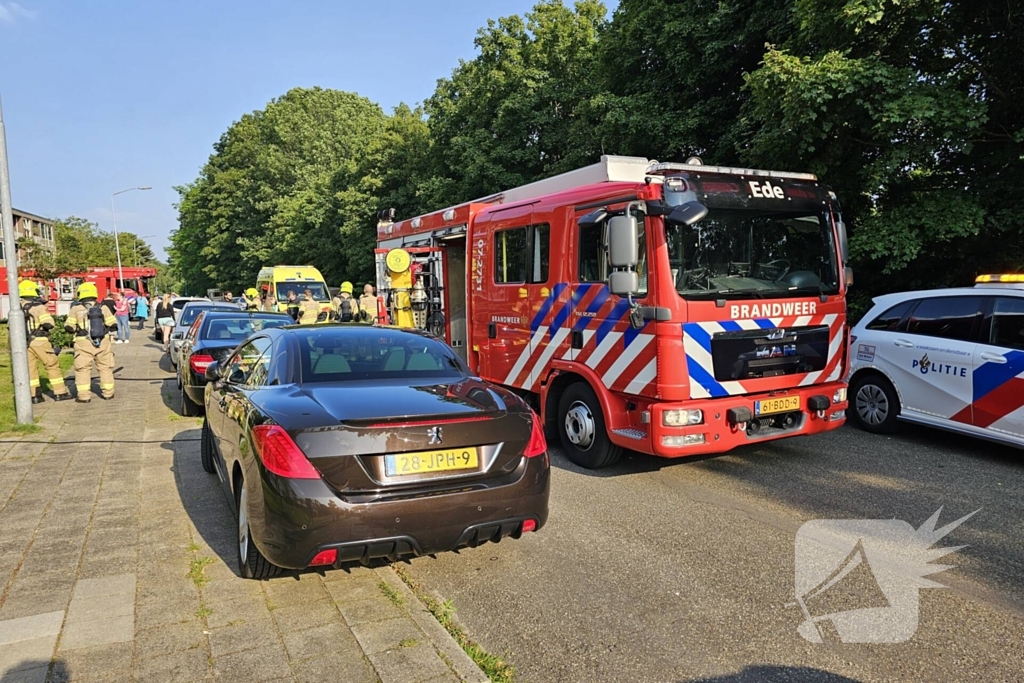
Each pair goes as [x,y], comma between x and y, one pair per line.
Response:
[348,442]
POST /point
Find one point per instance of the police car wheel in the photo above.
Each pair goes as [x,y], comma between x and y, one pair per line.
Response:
[874,404]
[581,428]
[206,448]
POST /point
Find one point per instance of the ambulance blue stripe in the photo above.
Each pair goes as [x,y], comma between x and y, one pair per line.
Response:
[730,325]
[702,377]
[594,307]
[614,316]
[991,376]
[546,306]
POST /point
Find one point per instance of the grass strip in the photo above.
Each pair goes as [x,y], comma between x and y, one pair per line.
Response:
[496,668]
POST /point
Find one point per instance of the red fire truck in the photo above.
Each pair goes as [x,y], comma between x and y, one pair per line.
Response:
[669,308]
[61,290]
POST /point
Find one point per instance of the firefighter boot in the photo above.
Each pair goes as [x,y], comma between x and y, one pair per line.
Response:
[37,395]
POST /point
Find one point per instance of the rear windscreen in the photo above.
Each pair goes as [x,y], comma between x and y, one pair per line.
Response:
[350,354]
[237,329]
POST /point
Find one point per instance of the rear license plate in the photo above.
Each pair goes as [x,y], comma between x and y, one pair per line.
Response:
[426,462]
[784,404]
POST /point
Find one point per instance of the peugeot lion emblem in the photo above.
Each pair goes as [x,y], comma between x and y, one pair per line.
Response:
[777,334]
[435,435]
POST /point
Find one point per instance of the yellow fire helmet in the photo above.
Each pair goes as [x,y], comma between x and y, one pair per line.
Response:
[251,292]
[346,287]
[28,289]
[87,290]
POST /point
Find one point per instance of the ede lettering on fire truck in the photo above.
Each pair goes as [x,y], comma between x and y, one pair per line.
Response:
[669,308]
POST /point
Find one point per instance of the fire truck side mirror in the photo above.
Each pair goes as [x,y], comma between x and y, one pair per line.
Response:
[623,282]
[687,214]
[844,246]
[622,241]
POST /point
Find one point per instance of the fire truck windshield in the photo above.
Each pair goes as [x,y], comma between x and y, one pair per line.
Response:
[761,254]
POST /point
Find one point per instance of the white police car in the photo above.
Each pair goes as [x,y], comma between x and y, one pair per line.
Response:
[948,358]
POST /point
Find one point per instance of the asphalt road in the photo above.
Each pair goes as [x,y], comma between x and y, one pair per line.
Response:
[683,570]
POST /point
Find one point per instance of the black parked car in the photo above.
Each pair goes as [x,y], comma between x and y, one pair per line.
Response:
[341,442]
[214,334]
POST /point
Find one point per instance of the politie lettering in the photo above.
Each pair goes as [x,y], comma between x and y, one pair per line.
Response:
[773,310]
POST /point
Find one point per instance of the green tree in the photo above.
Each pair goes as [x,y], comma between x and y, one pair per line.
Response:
[672,74]
[912,110]
[280,187]
[519,111]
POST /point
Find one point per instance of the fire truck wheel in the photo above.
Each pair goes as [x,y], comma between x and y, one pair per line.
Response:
[874,404]
[582,429]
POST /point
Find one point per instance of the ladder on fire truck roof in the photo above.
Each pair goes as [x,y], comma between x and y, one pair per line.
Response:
[621,169]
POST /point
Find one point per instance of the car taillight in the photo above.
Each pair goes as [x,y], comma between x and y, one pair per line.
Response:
[279,453]
[199,363]
[323,557]
[537,445]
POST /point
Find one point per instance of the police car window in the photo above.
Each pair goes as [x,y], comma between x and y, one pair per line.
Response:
[946,317]
[1008,322]
[890,320]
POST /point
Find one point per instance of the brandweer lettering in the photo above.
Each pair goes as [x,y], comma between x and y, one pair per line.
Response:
[774,310]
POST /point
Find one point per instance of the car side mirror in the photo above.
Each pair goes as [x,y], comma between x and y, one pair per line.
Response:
[687,214]
[622,242]
[177,335]
[213,372]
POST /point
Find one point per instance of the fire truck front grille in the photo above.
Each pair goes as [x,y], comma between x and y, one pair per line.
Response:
[749,354]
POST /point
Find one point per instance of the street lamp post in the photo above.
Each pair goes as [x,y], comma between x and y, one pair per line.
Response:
[117,242]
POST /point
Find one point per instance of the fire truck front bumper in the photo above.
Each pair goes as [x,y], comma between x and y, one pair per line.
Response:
[721,424]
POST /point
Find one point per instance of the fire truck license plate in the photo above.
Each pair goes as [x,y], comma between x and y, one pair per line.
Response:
[783,404]
[430,461]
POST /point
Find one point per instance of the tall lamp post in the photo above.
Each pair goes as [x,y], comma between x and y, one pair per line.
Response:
[117,242]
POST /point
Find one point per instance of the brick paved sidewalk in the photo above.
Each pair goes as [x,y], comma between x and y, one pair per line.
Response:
[117,562]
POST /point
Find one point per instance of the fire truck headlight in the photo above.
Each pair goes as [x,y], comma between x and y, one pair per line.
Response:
[682,418]
[682,440]
[839,396]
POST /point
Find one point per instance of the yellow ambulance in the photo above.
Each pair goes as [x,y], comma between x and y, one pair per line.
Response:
[276,283]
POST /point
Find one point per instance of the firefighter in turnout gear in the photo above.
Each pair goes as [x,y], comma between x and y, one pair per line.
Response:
[40,350]
[90,322]
[251,299]
[309,310]
[343,307]
[368,305]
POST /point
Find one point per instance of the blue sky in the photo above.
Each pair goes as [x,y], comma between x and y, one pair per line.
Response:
[99,96]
